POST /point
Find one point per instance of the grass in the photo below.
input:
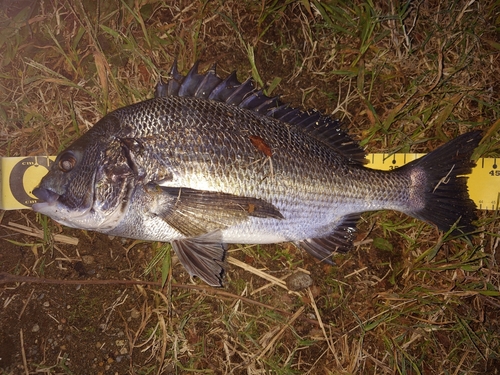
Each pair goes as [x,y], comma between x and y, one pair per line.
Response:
[403,77]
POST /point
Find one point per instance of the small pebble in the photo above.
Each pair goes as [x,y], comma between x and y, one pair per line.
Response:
[35,328]
[299,281]
[88,259]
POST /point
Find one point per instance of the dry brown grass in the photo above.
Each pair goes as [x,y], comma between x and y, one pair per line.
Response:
[403,77]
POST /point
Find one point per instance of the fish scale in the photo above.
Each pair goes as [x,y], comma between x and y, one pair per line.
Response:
[216,162]
[296,162]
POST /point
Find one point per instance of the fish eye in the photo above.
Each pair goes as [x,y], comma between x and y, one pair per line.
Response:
[67,162]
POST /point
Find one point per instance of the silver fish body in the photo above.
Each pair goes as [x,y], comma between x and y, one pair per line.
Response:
[201,172]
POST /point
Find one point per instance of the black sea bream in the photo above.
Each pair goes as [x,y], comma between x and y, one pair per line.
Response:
[209,162]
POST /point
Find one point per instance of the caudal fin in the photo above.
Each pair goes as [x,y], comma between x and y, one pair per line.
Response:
[440,184]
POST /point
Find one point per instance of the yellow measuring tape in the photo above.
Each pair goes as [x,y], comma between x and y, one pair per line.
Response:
[20,175]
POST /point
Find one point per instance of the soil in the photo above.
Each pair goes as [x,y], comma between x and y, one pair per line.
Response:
[69,326]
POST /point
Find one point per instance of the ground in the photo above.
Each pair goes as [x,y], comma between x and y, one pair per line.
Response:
[407,299]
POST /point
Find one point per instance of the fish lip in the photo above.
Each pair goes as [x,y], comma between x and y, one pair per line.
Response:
[46,196]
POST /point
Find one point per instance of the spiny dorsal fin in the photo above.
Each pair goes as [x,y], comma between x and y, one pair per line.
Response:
[246,95]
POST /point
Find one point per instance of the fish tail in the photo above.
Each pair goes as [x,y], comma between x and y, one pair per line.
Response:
[439,192]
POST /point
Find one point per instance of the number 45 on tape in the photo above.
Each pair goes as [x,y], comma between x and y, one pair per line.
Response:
[20,175]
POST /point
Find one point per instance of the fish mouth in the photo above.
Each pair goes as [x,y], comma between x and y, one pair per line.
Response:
[46,196]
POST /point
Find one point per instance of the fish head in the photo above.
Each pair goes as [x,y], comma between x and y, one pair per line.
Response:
[88,186]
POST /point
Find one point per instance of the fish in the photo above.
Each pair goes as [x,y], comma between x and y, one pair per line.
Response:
[211,161]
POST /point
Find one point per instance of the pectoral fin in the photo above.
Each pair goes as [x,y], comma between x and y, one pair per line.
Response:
[197,212]
[203,257]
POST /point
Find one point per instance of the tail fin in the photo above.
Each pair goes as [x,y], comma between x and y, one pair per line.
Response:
[441,184]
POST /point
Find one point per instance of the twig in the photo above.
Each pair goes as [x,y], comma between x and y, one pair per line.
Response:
[255,271]
[25,304]
[23,353]
[280,333]
[320,323]
[35,232]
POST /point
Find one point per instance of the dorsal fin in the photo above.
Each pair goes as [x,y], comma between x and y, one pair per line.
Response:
[245,95]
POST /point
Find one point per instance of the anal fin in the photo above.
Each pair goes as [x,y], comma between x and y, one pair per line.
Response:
[339,240]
